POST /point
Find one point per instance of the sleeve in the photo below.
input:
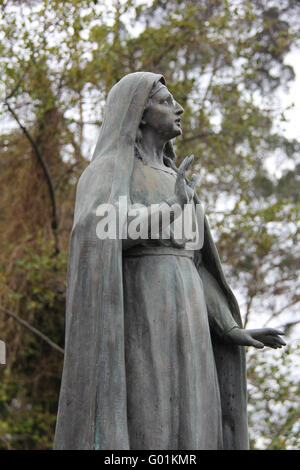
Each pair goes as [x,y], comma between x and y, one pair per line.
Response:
[220,318]
[222,306]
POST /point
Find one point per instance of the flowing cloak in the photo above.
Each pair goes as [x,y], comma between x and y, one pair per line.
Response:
[92,412]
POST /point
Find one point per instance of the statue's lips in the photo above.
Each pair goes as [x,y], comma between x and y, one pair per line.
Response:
[178,122]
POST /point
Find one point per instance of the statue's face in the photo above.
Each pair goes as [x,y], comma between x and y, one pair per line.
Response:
[163,115]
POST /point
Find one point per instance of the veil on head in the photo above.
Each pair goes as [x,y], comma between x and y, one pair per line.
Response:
[124,109]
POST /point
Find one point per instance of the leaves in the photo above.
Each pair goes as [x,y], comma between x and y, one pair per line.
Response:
[274,399]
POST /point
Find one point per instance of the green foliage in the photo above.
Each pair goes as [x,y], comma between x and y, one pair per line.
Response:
[274,399]
[224,61]
[23,425]
[30,381]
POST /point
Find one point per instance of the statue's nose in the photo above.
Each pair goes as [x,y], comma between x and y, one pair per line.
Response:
[179,109]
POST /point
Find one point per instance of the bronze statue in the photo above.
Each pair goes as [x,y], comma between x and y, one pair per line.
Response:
[154,354]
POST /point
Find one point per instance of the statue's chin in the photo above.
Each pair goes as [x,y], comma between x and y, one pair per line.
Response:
[176,132]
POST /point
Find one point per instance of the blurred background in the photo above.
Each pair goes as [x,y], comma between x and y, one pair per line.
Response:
[234,66]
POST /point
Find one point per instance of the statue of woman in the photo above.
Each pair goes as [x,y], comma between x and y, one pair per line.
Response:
[154,353]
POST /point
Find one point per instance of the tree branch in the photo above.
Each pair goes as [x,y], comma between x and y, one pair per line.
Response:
[17,84]
[203,135]
[40,160]
[33,330]
[282,309]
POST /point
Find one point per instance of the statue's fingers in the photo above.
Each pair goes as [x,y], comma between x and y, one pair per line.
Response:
[251,341]
[189,162]
[182,166]
[275,341]
[273,331]
[280,341]
[193,181]
[272,338]
[180,183]
[272,344]
[257,344]
[185,164]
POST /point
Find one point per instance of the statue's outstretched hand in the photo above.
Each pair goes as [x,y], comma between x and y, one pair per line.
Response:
[258,338]
[184,191]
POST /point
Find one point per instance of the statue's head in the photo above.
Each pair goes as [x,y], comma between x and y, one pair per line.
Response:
[139,103]
[162,113]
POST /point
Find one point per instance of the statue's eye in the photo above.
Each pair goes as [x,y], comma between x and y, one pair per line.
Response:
[168,101]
